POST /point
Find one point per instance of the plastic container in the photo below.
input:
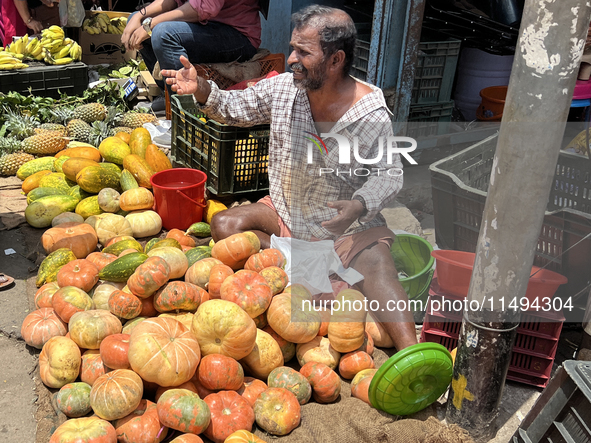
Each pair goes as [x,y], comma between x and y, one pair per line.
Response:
[454,271]
[412,255]
[180,197]
[361,60]
[562,412]
[429,120]
[460,182]
[477,70]
[492,104]
[46,81]
[435,71]
[235,159]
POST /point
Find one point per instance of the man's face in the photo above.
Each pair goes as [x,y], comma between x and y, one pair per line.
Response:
[307,59]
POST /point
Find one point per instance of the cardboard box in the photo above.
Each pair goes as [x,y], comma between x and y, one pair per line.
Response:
[104,48]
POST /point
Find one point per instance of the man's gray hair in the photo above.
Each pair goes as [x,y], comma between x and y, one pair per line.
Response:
[335,27]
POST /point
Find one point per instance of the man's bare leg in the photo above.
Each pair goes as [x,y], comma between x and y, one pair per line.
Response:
[257,218]
[381,283]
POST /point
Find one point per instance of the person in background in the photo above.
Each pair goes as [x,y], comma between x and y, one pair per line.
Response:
[20,17]
[205,31]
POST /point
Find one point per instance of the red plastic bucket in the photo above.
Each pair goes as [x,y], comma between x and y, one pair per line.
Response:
[454,272]
[180,197]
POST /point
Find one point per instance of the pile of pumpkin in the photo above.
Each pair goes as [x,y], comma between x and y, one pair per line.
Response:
[128,325]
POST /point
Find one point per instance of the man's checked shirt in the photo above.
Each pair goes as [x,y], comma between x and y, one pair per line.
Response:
[297,189]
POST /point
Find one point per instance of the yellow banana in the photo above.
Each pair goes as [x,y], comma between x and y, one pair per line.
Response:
[57,30]
[25,40]
[111,29]
[30,45]
[64,51]
[37,50]
[8,67]
[8,59]
[68,41]
[62,61]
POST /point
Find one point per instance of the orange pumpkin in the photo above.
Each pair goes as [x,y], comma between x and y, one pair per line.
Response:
[264,357]
[73,399]
[222,327]
[379,335]
[114,350]
[141,426]
[89,328]
[44,295]
[148,309]
[187,438]
[178,296]
[41,325]
[79,237]
[236,249]
[92,366]
[277,411]
[229,413]
[116,394]
[118,239]
[68,300]
[354,362]
[251,389]
[156,159]
[276,278]
[101,259]
[200,389]
[184,411]
[136,199]
[248,290]
[85,429]
[261,321]
[318,350]
[217,372]
[188,385]
[360,384]
[59,362]
[181,237]
[346,330]
[288,349]
[163,351]
[325,319]
[80,273]
[292,318]
[367,345]
[217,275]
[265,259]
[124,305]
[149,277]
[326,384]
[243,436]
[200,271]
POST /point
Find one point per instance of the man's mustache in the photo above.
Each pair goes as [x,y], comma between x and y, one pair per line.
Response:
[298,67]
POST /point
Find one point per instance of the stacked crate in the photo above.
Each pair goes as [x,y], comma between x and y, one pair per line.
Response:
[534,349]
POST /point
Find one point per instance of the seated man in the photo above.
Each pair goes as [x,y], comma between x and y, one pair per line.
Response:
[216,31]
[318,97]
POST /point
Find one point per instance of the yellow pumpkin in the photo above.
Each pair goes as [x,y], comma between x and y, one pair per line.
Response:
[59,362]
[175,258]
[380,337]
[89,328]
[212,207]
[222,327]
[265,356]
[293,318]
[136,199]
[111,225]
[346,330]
[186,318]
[144,223]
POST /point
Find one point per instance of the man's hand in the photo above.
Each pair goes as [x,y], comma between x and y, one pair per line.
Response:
[184,81]
[130,28]
[348,212]
[136,39]
[36,26]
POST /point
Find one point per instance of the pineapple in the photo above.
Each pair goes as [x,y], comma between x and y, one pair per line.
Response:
[91,112]
[98,132]
[79,130]
[62,115]
[50,142]
[136,120]
[11,156]
[20,126]
[51,127]
[118,129]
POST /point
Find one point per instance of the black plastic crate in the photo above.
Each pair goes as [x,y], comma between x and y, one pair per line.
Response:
[435,71]
[235,159]
[459,185]
[46,81]
[429,120]
[563,412]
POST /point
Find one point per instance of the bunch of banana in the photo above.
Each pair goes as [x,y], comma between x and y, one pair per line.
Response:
[117,25]
[52,33]
[18,47]
[97,24]
[33,49]
[9,61]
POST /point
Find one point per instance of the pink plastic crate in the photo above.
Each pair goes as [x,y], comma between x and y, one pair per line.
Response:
[540,382]
[531,365]
[447,342]
[545,347]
